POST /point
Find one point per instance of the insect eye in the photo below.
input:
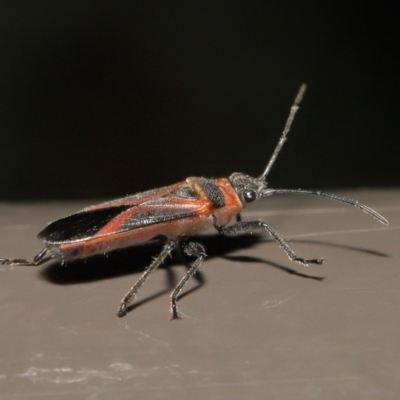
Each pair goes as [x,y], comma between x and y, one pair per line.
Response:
[249,196]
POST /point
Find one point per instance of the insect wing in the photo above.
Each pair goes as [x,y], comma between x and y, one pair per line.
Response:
[81,225]
[132,212]
[138,198]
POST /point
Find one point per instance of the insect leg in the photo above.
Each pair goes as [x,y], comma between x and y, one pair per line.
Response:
[191,249]
[167,249]
[38,259]
[244,227]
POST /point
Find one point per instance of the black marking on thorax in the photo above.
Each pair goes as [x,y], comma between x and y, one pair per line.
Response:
[211,190]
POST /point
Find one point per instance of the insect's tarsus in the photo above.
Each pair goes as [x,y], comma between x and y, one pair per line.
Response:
[37,260]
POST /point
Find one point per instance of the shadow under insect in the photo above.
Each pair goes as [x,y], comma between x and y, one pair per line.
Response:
[136,259]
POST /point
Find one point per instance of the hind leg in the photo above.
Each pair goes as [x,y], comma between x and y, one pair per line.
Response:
[37,260]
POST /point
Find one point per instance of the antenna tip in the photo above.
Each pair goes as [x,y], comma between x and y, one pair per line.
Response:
[300,94]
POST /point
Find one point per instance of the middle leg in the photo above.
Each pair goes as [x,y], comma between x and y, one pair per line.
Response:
[191,249]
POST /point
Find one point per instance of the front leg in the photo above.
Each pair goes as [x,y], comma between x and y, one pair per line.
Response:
[244,227]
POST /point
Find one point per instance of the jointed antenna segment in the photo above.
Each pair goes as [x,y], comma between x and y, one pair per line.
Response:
[355,203]
[286,129]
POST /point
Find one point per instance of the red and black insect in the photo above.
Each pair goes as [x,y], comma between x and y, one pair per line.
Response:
[172,213]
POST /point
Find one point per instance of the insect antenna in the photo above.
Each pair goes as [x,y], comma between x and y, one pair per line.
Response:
[286,130]
[355,203]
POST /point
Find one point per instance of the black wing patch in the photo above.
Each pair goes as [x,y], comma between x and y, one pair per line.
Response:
[212,191]
[146,218]
[81,225]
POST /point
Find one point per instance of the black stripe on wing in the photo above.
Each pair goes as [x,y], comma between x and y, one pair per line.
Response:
[155,216]
[81,225]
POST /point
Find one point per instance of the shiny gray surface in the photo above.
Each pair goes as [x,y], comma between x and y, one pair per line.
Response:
[253,329]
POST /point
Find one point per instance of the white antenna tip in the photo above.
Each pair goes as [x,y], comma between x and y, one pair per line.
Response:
[300,94]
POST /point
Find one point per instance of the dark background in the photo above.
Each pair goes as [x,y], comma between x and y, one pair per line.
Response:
[102,99]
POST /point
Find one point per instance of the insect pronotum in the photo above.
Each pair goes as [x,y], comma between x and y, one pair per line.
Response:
[172,213]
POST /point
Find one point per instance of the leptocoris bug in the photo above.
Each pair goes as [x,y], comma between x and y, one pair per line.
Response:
[172,213]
